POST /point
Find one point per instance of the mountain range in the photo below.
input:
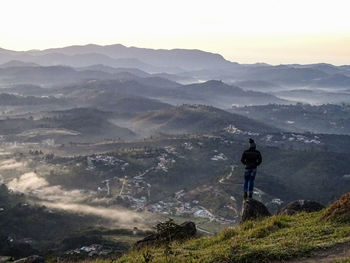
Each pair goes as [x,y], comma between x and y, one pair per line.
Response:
[191,63]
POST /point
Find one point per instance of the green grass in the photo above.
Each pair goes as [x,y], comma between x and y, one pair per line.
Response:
[344,260]
[275,238]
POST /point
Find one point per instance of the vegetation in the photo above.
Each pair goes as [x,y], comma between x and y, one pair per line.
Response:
[340,210]
[27,229]
[326,118]
[275,238]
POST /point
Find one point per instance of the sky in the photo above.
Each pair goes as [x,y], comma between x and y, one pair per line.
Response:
[245,31]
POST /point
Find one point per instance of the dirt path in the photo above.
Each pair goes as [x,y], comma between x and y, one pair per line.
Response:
[333,254]
[122,189]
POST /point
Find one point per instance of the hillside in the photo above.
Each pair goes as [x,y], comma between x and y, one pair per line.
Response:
[14,100]
[149,59]
[193,119]
[220,94]
[112,100]
[48,75]
[327,118]
[78,124]
[28,229]
[274,239]
[180,65]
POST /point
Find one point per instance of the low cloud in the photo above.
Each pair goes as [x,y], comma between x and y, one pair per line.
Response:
[77,201]
[11,164]
[27,182]
[120,216]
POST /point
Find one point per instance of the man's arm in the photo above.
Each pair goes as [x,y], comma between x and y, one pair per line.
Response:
[243,159]
[259,160]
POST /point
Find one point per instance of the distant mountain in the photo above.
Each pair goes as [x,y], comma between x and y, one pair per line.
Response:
[13,100]
[48,75]
[177,78]
[193,119]
[284,75]
[139,73]
[112,100]
[26,90]
[80,60]
[17,63]
[222,95]
[129,81]
[175,58]
[327,68]
[281,76]
[111,70]
[171,61]
[257,85]
[185,66]
[346,69]
[147,87]
[78,124]
[93,124]
[215,93]
[314,96]
[333,81]
[331,119]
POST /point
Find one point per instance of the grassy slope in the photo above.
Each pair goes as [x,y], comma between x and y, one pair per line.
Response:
[346,260]
[275,238]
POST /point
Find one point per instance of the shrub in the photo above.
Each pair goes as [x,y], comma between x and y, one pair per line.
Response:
[340,209]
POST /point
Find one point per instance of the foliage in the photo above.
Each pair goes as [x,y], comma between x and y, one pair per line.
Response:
[147,256]
[165,229]
[274,238]
[340,209]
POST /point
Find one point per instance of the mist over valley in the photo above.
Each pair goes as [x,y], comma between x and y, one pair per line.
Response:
[99,143]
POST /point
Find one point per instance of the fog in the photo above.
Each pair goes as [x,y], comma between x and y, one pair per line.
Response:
[76,201]
[11,164]
[120,217]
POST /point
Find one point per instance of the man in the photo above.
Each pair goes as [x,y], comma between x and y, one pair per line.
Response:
[251,158]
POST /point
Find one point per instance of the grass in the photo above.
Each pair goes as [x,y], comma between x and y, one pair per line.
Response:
[275,238]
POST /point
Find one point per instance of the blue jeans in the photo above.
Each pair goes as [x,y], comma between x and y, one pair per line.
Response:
[249,177]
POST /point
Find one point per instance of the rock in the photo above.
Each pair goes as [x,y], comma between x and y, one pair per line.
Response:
[253,209]
[188,229]
[31,259]
[151,239]
[301,206]
[177,232]
[340,209]
[5,259]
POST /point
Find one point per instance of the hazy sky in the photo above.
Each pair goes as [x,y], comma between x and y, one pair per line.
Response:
[246,31]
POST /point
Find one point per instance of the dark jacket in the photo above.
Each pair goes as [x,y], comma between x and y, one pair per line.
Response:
[251,158]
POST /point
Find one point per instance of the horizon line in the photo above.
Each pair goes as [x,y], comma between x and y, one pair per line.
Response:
[169,49]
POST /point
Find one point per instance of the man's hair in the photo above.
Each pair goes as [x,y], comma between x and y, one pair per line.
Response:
[252,143]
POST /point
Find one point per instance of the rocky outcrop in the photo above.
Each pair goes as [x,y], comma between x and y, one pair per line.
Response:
[253,209]
[5,259]
[340,209]
[301,206]
[176,232]
[31,259]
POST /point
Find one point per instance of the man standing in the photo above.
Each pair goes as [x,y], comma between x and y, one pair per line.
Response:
[251,158]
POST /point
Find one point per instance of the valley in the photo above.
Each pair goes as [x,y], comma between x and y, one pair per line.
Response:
[96,149]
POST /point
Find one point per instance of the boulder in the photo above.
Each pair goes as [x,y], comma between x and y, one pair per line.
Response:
[4,259]
[31,259]
[340,209]
[301,206]
[253,209]
[176,232]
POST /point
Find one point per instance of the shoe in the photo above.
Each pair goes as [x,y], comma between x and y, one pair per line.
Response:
[250,195]
[245,196]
